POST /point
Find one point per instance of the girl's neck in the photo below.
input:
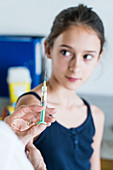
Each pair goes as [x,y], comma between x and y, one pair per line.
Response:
[61,94]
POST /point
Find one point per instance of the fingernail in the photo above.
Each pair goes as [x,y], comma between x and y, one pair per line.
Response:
[42,125]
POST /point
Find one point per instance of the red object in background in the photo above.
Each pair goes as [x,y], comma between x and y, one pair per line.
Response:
[4,113]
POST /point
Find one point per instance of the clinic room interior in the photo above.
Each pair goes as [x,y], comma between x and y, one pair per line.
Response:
[23,26]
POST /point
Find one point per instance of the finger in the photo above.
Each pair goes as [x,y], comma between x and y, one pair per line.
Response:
[48,124]
[22,120]
[30,146]
[50,111]
[27,151]
[34,117]
[24,109]
[29,120]
[50,119]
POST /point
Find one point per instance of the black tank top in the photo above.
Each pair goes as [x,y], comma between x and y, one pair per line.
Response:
[67,149]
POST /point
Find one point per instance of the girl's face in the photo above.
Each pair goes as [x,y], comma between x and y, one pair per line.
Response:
[74,55]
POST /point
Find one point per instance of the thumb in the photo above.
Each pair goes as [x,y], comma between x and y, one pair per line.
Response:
[30,146]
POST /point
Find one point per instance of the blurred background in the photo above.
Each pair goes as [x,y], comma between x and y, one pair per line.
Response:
[24,24]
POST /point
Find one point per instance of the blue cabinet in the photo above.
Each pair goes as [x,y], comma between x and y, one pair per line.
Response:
[20,51]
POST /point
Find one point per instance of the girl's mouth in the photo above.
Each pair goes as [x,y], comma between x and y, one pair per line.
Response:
[71,79]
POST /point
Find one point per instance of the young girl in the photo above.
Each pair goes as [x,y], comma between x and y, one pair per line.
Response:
[74,45]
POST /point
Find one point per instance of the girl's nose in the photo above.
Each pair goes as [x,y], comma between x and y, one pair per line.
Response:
[74,65]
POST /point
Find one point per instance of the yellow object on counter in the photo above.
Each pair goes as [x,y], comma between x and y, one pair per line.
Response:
[19,82]
[18,88]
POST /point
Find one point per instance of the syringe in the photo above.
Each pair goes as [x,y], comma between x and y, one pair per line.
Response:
[43,103]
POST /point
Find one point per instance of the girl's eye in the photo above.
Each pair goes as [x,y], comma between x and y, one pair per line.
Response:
[87,57]
[66,53]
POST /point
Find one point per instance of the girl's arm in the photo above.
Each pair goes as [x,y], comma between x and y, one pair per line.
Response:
[27,100]
[98,117]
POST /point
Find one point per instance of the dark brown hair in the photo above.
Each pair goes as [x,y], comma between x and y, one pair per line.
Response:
[74,16]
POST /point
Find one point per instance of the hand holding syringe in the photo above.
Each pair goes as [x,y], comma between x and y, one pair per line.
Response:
[43,102]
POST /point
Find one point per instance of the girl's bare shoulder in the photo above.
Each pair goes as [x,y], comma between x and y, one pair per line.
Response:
[29,99]
[98,116]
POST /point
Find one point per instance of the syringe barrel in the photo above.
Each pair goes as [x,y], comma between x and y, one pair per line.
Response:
[44,97]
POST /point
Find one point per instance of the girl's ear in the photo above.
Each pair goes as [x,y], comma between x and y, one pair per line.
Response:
[47,49]
[99,57]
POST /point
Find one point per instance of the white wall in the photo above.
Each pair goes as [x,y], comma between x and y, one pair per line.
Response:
[34,17]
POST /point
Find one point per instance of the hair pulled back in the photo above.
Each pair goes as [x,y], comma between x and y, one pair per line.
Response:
[74,16]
